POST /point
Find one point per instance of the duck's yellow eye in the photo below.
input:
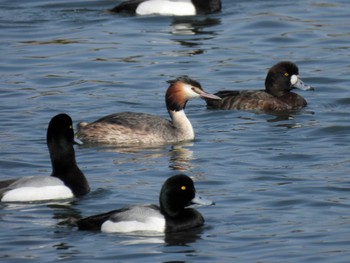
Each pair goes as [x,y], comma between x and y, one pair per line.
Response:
[286,74]
[70,127]
[183,187]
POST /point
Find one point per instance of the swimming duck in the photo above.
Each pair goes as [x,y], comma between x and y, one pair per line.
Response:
[277,96]
[141,128]
[66,180]
[168,7]
[171,215]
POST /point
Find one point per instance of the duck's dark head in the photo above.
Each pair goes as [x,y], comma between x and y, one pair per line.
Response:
[60,139]
[177,193]
[283,77]
[60,129]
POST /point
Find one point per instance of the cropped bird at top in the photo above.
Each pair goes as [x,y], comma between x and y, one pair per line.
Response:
[66,180]
[172,214]
[277,96]
[168,7]
[128,128]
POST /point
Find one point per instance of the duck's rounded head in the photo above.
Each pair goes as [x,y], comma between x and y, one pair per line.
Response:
[177,193]
[60,129]
[183,89]
[283,77]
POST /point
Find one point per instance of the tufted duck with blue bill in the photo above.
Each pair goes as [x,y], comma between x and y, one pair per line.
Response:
[277,96]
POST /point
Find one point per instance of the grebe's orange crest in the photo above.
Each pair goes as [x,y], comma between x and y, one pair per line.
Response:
[176,97]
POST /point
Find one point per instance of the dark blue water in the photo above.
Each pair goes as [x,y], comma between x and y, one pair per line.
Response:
[281,183]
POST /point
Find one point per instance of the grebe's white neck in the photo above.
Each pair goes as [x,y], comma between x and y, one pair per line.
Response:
[184,130]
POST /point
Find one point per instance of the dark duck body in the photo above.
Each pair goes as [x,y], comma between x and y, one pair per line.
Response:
[277,96]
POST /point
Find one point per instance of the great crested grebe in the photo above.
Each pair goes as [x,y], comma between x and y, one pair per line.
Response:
[141,128]
[277,96]
[171,215]
[66,180]
[168,7]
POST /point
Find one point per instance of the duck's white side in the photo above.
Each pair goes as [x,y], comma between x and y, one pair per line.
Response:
[166,8]
[37,188]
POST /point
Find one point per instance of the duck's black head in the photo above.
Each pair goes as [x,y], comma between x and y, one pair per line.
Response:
[60,129]
[280,77]
[177,193]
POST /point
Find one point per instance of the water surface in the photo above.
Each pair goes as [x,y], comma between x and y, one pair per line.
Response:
[280,183]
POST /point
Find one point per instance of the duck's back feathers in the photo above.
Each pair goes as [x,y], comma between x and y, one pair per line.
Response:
[128,219]
[94,223]
[6,183]
[4,186]
[256,100]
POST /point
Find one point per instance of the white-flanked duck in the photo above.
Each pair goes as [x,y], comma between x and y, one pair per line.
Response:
[140,128]
[168,7]
[172,214]
[277,96]
[66,180]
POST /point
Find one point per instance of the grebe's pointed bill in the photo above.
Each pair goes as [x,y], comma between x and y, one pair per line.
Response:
[298,83]
[204,94]
[198,200]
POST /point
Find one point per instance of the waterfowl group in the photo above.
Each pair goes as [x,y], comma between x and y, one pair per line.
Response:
[168,7]
[178,192]
[67,181]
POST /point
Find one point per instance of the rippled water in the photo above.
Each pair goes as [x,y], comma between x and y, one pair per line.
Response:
[281,183]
